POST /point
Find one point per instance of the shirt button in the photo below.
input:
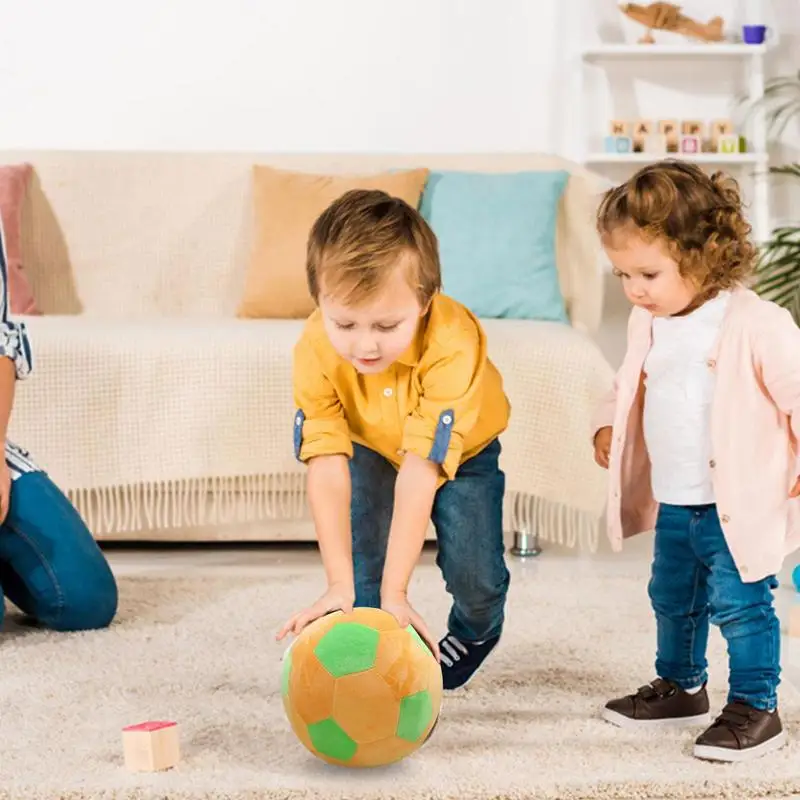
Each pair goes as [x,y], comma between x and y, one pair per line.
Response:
[712,463]
[298,422]
[743,569]
[387,392]
[725,518]
[711,363]
[401,452]
[447,419]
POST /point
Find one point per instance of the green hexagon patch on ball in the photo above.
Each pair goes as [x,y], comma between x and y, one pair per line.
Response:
[347,648]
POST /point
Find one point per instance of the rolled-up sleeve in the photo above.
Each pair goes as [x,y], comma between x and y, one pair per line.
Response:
[320,425]
[14,342]
[449,403]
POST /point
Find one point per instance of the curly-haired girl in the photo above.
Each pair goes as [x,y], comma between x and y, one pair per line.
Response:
[700,435]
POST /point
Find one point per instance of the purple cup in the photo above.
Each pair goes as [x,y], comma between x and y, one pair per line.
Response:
[754,34]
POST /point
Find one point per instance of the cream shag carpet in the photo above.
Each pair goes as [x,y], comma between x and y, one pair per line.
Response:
[200,650]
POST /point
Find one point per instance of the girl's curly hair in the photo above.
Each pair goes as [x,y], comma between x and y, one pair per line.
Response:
[698,216]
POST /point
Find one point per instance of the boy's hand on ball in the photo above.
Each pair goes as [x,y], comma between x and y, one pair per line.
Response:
[399,607]
[602,445]
[337,598]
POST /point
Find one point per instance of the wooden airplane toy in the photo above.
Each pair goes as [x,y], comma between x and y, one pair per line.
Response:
[668,17]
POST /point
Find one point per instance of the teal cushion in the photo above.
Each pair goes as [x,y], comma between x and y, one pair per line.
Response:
[497,240]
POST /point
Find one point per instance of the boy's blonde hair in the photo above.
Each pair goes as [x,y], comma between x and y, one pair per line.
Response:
[699,217]
[356,243]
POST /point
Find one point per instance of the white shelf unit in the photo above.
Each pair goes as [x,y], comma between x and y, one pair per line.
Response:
[752,58]
[700,158]
[652,51]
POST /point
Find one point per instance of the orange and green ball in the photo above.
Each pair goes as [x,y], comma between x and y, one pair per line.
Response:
[359,690]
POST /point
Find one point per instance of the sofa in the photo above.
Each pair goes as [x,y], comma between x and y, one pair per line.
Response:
[166,415]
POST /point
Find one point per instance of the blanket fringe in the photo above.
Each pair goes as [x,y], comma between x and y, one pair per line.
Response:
[552,522]
[221,501]
[191,502]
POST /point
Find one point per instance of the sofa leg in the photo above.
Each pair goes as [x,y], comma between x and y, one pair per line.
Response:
[526,545]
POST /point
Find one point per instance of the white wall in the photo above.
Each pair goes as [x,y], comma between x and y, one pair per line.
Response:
[335,75]
[331,75]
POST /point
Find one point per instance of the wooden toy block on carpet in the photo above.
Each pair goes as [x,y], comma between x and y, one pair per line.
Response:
[151,746]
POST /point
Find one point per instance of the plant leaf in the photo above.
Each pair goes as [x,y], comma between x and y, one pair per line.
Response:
[778,118]
[780,102]
[787,169]
[777,273]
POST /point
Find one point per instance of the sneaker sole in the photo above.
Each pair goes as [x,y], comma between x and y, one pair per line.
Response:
[461,685]
[709,753]
[621,721]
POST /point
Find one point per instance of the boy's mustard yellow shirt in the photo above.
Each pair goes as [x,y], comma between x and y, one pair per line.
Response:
[443,399]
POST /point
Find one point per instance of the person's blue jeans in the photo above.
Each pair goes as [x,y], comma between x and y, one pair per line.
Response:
[468,517]
[695,581]
[50,565]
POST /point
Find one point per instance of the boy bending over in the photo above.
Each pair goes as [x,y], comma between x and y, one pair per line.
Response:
[399,410]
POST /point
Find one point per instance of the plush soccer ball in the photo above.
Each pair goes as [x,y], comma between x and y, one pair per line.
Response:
[359,690]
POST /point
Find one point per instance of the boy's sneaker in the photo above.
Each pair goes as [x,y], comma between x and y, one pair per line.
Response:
[740,733]
[659,704]
[460,660]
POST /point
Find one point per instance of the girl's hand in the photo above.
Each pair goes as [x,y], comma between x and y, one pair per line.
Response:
[337,598]
[602,446]
[796,488]
[399,607]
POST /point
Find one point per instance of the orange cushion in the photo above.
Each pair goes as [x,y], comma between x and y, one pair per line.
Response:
[286,205]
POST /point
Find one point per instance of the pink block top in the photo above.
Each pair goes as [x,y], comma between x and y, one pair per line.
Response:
[150,726]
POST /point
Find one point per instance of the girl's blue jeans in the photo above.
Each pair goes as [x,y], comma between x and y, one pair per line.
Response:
[50,565]
[694,582]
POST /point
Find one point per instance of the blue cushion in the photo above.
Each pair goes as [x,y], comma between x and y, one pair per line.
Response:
[497,240]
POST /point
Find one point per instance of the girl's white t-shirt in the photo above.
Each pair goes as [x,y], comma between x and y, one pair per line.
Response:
[679,389]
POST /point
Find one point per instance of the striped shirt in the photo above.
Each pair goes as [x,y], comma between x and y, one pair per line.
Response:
[14,344]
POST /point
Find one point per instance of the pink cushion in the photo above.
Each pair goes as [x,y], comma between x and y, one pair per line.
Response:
[14,181]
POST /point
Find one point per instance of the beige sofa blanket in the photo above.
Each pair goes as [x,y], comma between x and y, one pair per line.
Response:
[181,422]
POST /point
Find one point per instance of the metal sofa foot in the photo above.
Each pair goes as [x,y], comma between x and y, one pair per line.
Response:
[526,545]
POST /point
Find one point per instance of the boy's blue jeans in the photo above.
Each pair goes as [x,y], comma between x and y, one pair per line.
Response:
[468,517]
[50,565]
[695,581]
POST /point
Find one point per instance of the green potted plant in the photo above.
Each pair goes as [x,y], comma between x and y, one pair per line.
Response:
[777,275]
